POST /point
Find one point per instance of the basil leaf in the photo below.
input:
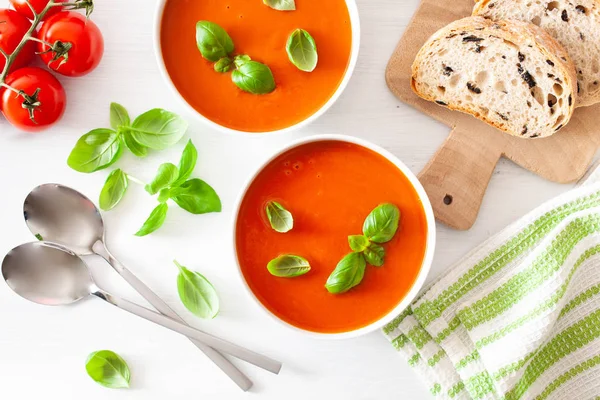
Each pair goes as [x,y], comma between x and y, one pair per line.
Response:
[382,223]
[281,220]
[223,65]
[213,41]
[302,50]
[167,174]
[197,197]
[158,129]
[164,195]
[118,116]
[96,150]
[254,77]
[281,5]
[197,294]
[358,242]
[375,254]
[108,369]
[348,273]
[187,163]
[155,220]
[288,266]
[137,149]
[114,189]
[241,59]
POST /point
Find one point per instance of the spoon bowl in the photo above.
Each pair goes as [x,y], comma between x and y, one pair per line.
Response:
[61,278]
[62,215]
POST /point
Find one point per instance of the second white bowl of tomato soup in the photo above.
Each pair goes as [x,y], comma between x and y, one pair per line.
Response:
[254,29]
[333,236]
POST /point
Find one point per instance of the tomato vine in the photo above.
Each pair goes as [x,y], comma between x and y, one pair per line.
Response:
[59,49]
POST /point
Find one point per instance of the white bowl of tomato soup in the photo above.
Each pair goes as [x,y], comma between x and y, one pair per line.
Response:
[260,32]
[330,183]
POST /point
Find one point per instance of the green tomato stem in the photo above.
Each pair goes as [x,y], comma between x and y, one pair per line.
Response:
[34,39]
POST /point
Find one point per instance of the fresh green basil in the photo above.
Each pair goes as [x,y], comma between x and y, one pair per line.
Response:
[158,129]
[95,150]
[196,197]
[302,50]
[166,175]
[114,189]
[382,223]
[358,242]
[213,41]
[348,273]
[164,195]
[223,65]
[241,59]
[288,266]
[281,5]
[375,254]
[119,117]
[136,149]
[108,369]
[254,77]
[281,220]
[197,294]
[187,163]
[155,220]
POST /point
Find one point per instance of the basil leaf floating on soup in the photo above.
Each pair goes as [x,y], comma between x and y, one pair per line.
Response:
[166,175]
[375,254]
[281,220]
[196,293]
[254,77]
[241,59]
[223,65]
[213,41]
[302,50]
[113,190]
[108,369]
[155,220]
[281,5]
[358,242]
[288,266]
[382,223]
[348,273]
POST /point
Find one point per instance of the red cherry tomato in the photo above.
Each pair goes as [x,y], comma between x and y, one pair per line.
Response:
[51,99]
[38,5]
[87,44]
[13,27]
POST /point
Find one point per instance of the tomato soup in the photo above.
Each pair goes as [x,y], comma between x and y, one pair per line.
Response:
[261,33]
[329,187]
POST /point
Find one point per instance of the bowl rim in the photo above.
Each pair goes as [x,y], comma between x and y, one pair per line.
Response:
[429,249]
[356,33]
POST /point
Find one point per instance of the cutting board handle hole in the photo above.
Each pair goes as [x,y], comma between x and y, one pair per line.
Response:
[448,199]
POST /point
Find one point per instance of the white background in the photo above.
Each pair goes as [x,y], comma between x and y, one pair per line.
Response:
[43,349]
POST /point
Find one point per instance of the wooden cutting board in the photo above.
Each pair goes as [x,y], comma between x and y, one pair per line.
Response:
[457,176]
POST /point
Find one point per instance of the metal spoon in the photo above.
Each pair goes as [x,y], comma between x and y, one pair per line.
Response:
[49,274]
[62,215]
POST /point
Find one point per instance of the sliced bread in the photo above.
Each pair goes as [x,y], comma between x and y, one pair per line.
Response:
[510,74]
[575,25]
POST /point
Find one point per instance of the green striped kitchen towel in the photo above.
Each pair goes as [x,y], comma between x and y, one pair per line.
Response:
[518,317]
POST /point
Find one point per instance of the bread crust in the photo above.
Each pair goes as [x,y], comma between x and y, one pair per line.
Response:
[583,101]
[514,31]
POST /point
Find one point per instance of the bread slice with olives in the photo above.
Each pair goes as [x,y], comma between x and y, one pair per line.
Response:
[510,74]
[575,25]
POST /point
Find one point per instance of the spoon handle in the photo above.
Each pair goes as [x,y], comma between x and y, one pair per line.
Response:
[162,307]
[243,354]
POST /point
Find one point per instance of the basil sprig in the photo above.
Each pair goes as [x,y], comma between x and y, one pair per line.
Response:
[288,266]
[196,293]
[100,148]
[281,5]
[155,220]
[380,226]
[216,45]
[281,220]
[114,189]
[108,369]
[302,50]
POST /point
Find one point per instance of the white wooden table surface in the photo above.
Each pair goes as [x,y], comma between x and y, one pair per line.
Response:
[43,349]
